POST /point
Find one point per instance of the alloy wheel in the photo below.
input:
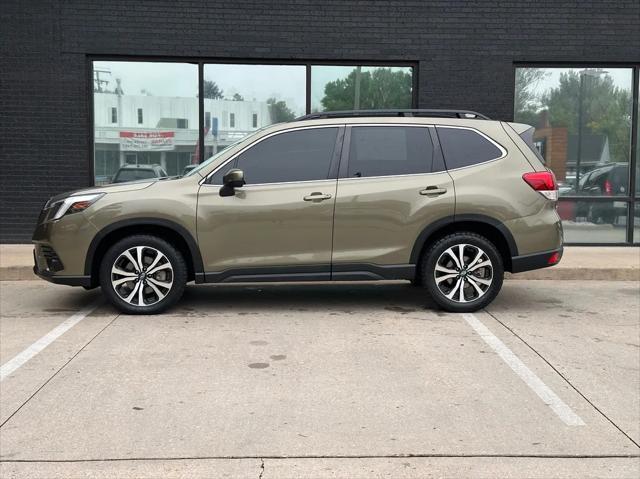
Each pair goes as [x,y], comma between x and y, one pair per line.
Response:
[463,273]
[142,276]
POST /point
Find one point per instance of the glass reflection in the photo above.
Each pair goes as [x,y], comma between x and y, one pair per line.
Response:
[360,87]
[145,119]
[583,125]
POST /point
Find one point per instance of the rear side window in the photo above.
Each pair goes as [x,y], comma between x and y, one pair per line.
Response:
[527,137]
[462,147]
[383,151]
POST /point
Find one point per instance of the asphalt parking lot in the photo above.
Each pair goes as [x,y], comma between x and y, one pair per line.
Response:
[322,380]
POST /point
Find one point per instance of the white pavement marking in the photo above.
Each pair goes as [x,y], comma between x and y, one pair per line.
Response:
[550,398]
[13,364]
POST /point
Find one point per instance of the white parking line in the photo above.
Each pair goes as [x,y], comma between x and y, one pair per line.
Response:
[14,363]
[550,398]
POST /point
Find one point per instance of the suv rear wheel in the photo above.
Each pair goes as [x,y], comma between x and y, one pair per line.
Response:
[143,275]
[463,272]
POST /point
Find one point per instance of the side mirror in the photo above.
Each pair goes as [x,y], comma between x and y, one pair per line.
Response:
[234,178]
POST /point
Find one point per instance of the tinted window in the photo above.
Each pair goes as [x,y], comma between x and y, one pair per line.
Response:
[381,151]
[528,138]
[301,155]
[463,147]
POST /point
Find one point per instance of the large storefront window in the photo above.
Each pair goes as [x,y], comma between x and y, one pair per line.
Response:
[147,115]
[239,99]
[360,87]
[145,118]
[583,120]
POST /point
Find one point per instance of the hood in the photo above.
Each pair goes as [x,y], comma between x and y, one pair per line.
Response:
[115,188]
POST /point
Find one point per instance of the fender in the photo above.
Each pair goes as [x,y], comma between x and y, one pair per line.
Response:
[448,220]
[175,227]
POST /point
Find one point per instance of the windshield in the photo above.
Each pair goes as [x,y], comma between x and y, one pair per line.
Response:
[213,158]
[132,175]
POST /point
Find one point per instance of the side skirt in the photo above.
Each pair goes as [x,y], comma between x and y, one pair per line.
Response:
[339,272]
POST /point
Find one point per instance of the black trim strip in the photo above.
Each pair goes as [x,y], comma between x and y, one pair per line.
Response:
[84,281]
[313,272]
[528,262]
[320,272]
[369,271]
[441,223]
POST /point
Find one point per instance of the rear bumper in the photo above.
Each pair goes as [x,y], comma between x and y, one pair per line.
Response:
[535,261]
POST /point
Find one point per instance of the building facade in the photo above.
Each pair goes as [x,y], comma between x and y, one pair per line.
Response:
[89,86]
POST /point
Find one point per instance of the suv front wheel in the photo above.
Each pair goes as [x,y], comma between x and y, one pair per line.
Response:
[143,275]
[463,272]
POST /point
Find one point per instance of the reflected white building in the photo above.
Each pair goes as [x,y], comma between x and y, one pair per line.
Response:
[141,129]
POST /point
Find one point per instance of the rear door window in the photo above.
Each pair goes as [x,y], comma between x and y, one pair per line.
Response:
[389,150]
[465,147]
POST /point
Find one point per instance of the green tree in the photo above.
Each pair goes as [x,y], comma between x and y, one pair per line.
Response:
[379,89]
[606,109]
[237,97]
[212,90]
[279,111]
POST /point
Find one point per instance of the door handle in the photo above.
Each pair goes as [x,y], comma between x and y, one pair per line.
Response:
[317,196]
[433,191]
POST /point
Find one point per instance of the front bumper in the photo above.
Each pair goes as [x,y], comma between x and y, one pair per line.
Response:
[43,272]
[529,262]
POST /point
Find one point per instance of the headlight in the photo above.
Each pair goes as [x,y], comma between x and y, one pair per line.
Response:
[74,204]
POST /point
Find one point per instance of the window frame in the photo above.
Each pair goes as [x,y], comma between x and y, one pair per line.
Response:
[333,164]
[631,197]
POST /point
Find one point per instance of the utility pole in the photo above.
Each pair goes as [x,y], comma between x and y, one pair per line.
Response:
[98,82]
[356,99]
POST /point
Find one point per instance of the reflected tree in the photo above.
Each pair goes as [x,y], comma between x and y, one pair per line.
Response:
[527,101]
[279,111]
[606,109]
[212,90]
[377,89]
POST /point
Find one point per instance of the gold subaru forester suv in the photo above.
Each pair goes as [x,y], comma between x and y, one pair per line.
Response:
[446,199]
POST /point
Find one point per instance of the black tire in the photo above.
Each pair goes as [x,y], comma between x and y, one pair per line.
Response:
[475,243]
[153,303]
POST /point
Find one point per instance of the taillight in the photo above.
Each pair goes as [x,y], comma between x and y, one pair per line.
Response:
[554,258]
[544,182]
[608,188]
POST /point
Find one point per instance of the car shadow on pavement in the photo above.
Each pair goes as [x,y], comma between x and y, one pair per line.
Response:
[400,297]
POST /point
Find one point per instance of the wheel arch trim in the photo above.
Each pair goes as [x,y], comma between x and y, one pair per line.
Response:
[437,225]
[194,250]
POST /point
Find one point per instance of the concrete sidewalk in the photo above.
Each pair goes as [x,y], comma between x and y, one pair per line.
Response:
[610,263]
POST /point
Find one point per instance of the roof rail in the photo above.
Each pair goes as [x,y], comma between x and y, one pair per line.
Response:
[402,113]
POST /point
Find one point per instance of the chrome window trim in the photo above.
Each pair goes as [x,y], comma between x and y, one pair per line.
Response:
[203,182]
[503,150]
[356,178]
[244,187]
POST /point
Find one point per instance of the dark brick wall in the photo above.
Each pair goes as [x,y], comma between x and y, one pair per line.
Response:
[465,50]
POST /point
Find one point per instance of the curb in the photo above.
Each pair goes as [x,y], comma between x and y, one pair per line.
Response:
[581,274]
[24,273]
[17,273]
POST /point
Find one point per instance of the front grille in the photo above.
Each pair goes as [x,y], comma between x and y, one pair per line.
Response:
[50,256]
